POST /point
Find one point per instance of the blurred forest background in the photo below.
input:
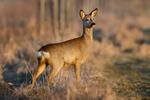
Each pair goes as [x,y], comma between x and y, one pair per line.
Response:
[118,69]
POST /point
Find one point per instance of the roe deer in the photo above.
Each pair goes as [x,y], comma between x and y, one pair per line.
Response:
[71,52]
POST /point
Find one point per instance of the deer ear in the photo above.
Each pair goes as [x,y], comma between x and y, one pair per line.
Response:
[93,13]
[82,14]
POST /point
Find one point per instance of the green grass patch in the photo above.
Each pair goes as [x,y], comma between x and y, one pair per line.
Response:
[129,76]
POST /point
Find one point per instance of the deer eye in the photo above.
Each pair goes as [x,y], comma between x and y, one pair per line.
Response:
[86,20]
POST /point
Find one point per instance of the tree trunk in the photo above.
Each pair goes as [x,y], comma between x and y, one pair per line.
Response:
[42,15]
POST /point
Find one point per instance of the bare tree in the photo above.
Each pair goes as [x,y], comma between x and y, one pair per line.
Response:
[42,15]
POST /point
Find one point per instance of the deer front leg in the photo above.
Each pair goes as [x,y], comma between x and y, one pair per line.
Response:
[77,66]
[40,69]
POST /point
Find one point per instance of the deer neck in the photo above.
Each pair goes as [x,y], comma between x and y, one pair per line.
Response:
[88,34]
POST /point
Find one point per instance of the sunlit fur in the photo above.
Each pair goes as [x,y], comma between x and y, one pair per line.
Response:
[71,52]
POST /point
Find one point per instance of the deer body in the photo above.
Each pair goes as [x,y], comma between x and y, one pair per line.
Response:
[71,52]
[68,52]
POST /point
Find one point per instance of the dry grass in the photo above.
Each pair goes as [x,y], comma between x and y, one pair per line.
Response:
[118,68]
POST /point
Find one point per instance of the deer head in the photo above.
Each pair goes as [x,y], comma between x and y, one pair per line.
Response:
[88,19]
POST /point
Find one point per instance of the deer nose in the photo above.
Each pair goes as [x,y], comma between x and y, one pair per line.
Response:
[93,24]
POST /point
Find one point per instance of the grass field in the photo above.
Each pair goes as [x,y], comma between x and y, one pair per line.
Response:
[118,69]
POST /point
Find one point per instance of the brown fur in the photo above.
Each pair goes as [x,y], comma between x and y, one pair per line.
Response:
[71,52]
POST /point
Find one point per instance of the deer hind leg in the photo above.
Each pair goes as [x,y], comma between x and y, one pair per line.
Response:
[53,73]
[40,69]
[77,66]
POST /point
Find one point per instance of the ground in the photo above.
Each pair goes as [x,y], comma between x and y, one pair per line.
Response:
[117,69]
